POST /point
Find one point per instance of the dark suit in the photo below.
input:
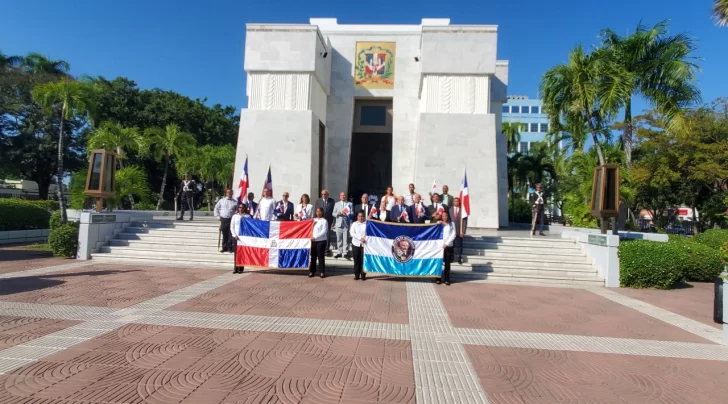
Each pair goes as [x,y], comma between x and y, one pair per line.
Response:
[328,214]
[250,204]
[287,215]
[417,219]
[363,208]
[395,215]
[458,245]
[431,210]
[537,210]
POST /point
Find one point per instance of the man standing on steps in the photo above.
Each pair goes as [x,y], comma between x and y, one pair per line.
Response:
[266,207]
[327,204]
[537,199]
[342,213]
[187,197]
[252,204]
[446,198]
[224,211]
[461,224]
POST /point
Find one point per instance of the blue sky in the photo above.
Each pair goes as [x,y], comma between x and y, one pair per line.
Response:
[196,47]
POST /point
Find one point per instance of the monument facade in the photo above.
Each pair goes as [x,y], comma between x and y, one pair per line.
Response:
[357,108]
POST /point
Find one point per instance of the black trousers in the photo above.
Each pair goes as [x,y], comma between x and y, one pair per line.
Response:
[318,253]
[458,246]
[227,244]
[235,255]
[328,234]
[358,261]
[187,201]
[447,259]
[537,215]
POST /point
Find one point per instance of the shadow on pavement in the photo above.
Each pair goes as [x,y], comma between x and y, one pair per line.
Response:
[18,254]
[32,283]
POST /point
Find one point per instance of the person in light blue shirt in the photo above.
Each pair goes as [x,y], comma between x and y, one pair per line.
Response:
[342,215]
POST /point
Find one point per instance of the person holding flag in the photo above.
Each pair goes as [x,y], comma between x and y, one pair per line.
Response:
[242,189]
[252,205]
[459,213]
[365,206]
[235,224]
[419,210]
[342,213]
[284,210]
[400,212]
[304,210]
[437,208]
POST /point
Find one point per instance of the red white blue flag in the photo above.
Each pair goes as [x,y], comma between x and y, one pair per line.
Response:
[464,198]
[281,245]
[242,190]
[269,183]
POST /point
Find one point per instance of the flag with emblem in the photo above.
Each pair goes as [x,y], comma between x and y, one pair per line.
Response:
[280,245]
[464,198]
[268,183]
[243,185]
[403,250]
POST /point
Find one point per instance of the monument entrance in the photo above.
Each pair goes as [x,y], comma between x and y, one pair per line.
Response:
[370,163]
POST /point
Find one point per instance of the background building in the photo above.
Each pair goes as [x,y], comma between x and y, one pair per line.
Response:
[519,108]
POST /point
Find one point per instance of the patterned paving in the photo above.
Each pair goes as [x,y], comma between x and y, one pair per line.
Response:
[13,259]
[296,295]
[552,310]
[186,335]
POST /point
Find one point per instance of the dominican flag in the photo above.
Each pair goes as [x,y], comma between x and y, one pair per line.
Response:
[434,187]
[269,183]
[403,250]
[281,207]
[405,216]
[302,213]
[464,198]
[280,245]
[242,190]
[373,212]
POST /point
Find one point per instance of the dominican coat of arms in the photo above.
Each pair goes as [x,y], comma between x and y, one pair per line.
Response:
[374,68]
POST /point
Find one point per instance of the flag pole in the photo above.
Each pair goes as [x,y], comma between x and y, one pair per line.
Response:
[265,184]
[462,207]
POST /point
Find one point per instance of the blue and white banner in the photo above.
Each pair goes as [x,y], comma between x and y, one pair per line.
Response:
[403,250]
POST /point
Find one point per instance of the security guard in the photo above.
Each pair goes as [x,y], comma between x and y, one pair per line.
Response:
[187,197]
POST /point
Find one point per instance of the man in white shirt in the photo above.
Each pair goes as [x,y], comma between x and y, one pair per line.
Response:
[266,207]
[342,216]
[409,199]
[224,211]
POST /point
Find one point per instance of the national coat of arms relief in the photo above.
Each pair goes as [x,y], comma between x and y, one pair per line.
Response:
[374,65]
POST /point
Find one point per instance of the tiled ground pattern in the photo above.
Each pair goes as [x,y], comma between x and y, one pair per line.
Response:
[530,376]
[13,259]
[551,310]
[694,301]
[143,363]
[17,330]
[296,295]
[100,285]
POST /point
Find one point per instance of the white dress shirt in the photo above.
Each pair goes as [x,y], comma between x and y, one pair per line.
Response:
[225,208]
[306,209]
[391,200]
[358,231]
[267,208]
[448,233]
[409,199]
[320,229]
[235,224]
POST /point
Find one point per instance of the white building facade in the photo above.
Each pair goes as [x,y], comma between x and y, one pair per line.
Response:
[356,108]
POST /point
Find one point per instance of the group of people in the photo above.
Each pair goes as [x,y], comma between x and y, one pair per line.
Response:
[348,222]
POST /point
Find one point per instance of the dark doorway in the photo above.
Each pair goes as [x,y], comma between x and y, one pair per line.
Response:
[370,167]
[322,151]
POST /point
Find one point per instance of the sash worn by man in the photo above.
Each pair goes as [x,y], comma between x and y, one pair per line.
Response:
[537,199]
[187,197]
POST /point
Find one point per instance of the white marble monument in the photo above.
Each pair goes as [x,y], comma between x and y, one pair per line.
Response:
[427,97]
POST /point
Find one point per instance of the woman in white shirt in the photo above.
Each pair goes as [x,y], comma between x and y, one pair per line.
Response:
[358,231]
[448,237]
[235,224]
[304,210]
[319,240]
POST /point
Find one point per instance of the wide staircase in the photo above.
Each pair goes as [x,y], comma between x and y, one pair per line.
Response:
[492,255]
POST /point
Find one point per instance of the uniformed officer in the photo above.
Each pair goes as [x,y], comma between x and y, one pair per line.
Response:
[187,197]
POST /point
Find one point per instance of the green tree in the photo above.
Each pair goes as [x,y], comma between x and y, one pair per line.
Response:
[588,90]
[720,12]
[74,98]
[130,180]
[661,70]
[512,132]
[169,143]
[213,164]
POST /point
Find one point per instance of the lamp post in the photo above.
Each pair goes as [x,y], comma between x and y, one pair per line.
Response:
[100,181]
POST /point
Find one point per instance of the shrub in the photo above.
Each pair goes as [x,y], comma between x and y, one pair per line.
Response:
[645,264]
[55,220]
[700,262]
[19,214]
[713,238]
[48,205]
[519,211]
[64,240]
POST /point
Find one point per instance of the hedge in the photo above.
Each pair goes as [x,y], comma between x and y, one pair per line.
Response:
[64,240]
[48,205]
[646,264]
[713,238]
[55,220]
[19,214]
[519,211]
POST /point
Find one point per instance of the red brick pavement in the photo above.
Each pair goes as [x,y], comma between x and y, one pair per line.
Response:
[101,285]
[18,258]
[530,376]
[296,295]
[18,330]
[551,310]
[694,302]
[162,364]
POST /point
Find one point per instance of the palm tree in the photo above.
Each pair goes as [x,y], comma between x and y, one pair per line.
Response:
[512,132]
[169,143]
[131,180]
[36,63]
[588,90]
[661,71]
[720,12]
[114,137]
[74,99]
[9,62]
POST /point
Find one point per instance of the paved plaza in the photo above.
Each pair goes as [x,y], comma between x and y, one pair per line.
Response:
[84,332]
